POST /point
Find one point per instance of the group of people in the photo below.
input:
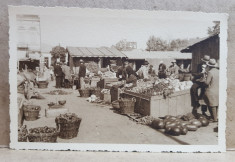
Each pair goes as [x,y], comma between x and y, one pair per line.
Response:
[207,80]
[173,70]
[64,75]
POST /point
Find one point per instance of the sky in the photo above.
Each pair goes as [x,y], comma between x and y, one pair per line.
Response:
[96,29]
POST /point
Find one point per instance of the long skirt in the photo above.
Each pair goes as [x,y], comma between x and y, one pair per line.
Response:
[59,81]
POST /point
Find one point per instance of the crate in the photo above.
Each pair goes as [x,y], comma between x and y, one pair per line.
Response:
[115,93]
[106,97]
[178,103]
[94,82]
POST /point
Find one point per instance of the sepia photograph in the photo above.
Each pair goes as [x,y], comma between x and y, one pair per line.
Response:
[117,80]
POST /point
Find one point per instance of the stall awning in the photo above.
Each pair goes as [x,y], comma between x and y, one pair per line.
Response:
[94,52]
[141,54]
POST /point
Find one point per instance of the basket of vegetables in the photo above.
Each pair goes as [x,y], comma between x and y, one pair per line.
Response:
[84,92]
[42,84]
[68,125]
[22,134]
[127,105]
[43,134]
[31,112]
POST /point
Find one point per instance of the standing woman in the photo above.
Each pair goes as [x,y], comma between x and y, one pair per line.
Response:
[212,89]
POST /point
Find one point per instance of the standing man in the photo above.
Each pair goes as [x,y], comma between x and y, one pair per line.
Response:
[143,71]
[197,84]
[121,74]
[59,75]
[162,70]
[82,74]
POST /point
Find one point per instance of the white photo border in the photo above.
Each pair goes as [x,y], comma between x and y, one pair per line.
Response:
[14,144]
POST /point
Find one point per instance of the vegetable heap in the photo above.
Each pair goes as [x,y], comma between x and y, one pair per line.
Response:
[59,92]
[32,108]
[22,134]
[45,129]
[67,118]
[178,125]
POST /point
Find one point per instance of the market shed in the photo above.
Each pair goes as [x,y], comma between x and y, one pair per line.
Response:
[154,57]
[102,55]
[208,46]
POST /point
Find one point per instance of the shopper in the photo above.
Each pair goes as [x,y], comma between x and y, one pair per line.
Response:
[200,75]
[82,74]
[59,75]
[162,70]
[174,69]
[67,76]
[212,89]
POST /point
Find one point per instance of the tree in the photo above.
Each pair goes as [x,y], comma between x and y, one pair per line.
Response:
[121,45]
[58,52]
[215,29]
[156,44]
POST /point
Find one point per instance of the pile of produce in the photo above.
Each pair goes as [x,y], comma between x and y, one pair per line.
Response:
[177,126]
[108,74]
[42,130]
[43,134]
[92,67]
[58,92]
[22,134]
[105,91]
[67,118]
[32,108]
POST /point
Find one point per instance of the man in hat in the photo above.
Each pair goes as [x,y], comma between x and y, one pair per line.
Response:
[212,88]
[162,70]
[82,74]
[200,75]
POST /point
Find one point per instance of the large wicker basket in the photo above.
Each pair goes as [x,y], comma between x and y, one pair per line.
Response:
[84,92]
[31,112]
[42,84]
[43,137]
[127,105]
[68,128]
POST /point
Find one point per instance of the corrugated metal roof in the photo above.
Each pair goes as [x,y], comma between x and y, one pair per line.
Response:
[94,52]
[141,54]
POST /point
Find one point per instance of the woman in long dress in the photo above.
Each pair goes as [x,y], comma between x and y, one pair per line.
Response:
[212,89]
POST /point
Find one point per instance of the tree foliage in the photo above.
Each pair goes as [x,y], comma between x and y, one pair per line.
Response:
[158,44]
[58,52]
[215,29]
[121,45]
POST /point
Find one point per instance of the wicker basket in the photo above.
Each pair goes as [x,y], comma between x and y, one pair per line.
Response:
[96,92]
[84,92]
[68,130]
[127,105]
[30,113]
[42,84]
[43,137]
[115,104]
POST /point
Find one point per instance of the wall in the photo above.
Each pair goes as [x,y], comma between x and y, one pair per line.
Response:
[221,6]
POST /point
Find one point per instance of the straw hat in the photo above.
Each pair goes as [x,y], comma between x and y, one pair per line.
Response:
[206,58]
[81,60]
[174,61]
[212,63]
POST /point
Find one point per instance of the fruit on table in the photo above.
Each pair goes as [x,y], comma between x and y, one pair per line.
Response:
[191,127]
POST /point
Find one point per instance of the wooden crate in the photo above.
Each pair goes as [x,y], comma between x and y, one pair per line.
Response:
[103,82]
[179,103]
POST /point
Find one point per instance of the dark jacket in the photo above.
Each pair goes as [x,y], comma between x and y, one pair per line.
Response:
[58,70]
[82,71]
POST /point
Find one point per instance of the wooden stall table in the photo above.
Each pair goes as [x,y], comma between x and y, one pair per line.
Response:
[178,103]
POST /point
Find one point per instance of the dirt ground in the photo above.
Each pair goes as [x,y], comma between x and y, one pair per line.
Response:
[100,124]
